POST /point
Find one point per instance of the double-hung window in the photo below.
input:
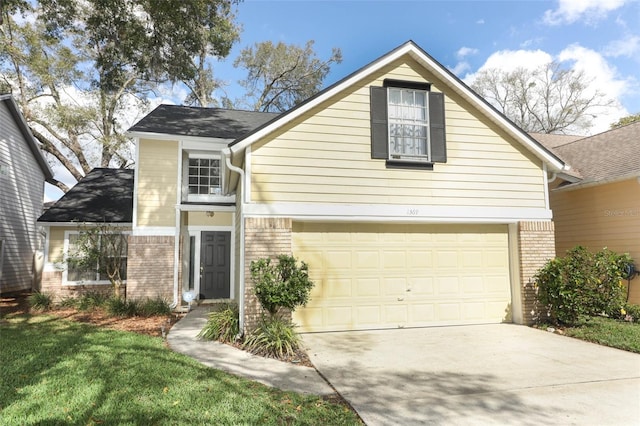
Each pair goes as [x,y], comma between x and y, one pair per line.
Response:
[202,177]
[407,124]
[116,249]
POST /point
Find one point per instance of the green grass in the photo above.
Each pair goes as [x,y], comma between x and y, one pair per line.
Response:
[60,372]
[608,332]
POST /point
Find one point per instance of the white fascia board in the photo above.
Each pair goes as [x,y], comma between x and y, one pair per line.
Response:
[437,69]
[208,208]
[183,138]
[87,224]
[396,213]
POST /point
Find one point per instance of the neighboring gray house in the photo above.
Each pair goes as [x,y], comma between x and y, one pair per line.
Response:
[23,171]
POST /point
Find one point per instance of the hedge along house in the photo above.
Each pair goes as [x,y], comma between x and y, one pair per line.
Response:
[597,205]
[414,202]
[23,171]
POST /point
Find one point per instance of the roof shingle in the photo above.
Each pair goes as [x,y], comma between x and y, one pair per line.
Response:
[103,195]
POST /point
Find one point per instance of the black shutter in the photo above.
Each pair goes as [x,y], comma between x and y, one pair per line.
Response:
[436,128]
[379,127]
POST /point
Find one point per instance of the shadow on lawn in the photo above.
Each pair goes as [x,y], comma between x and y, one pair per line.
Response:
[61,372]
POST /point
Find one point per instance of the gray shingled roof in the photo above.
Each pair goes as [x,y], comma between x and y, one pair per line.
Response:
[103,195]
[606,156]
[201,122]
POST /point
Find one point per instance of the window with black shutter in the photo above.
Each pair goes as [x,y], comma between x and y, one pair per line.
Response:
[407,125]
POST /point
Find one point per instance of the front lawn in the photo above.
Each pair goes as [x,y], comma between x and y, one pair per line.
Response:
[608,332]
[61,372]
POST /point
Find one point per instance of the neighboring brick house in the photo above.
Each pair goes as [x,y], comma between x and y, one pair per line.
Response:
[413,201]
[23,171]
[597,205]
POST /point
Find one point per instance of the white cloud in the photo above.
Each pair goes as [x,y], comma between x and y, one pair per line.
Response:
[602,75]
[570,11]
[629,47]
[460,68]
[466,51]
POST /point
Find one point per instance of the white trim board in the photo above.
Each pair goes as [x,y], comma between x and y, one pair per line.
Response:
[397,214]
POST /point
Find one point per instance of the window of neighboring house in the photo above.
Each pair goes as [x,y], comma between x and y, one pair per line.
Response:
[407,124]
[203,177]
[76,273]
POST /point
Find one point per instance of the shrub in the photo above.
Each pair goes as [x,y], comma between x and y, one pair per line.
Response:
[630,312]
[91,300]
[157,306]
[222,325]
[68,302]
[582,284]
[40,301]
[275,337]
[281,285]
[120,307]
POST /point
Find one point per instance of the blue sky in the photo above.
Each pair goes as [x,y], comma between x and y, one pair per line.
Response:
[602,37]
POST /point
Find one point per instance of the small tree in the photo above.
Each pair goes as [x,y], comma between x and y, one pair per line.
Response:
[582,284]
[281,285]
[103,249]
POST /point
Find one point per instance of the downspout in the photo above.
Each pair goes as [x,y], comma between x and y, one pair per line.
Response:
[176,261]
[227,160]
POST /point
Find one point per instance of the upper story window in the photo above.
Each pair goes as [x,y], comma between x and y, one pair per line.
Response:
[204,176]
[407,124]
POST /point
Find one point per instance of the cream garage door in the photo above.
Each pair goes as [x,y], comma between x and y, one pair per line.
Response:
[372,276]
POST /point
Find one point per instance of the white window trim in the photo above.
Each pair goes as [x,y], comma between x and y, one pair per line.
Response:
[407,157]
[202,198]
[65,271]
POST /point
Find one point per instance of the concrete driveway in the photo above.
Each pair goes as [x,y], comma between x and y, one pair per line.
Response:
[485,374]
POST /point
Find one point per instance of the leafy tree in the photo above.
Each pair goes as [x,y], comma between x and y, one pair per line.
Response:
[280,76]
[630,119]
[102,249]
[281,285]
[548,99]
[78,67]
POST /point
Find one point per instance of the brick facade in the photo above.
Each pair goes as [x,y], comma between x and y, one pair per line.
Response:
[264,237]
[536,244]
[51,283]
[150,267]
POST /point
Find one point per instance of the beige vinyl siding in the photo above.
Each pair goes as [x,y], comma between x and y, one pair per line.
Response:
[157,180]
[55,253]
[326,157]
[21,196]
[201,219]
[597,217]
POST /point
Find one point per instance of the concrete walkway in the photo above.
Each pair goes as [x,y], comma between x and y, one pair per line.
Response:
[282,375]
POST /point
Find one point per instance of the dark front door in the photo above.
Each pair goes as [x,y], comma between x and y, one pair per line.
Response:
[215,265]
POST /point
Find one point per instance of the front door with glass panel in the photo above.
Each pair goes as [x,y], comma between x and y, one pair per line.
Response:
[215,265]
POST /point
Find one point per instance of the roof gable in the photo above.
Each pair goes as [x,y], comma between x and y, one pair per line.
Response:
[103,195]
[420,56]
[26,133]
[216,123]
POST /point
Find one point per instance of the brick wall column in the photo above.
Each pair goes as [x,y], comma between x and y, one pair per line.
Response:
[150,267]
[264,237]
[536,244]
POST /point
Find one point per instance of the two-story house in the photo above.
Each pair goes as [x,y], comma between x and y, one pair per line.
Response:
[23,171]
[413,201]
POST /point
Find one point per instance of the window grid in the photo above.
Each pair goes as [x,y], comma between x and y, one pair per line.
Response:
[408,123]
[75,273]
[204,176]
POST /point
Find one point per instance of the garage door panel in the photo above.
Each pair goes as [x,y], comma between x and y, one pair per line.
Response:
[385,276]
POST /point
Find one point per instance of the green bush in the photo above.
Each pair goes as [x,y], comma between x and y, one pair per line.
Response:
[630,312]
[275,337]
[157,306]
[40,301]
[222,325]
[68,302]
[582,284]
[281,285]
[91,300]
[120,307]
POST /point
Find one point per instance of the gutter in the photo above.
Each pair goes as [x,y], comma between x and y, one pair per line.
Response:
[227,160]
